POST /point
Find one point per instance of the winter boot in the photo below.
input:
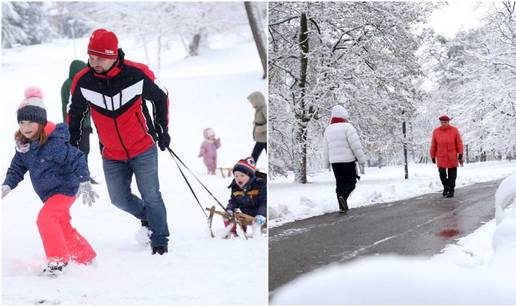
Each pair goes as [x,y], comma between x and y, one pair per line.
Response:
[142,236]
[53,269]
[343,205]
[159,250]
[446,190]
[450,193]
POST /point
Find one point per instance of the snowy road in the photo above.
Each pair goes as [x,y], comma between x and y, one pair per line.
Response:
[421,225]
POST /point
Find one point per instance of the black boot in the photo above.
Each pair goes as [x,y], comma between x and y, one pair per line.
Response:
[159,250]
[446,190]
[343,204]
[54,269]
[450,193]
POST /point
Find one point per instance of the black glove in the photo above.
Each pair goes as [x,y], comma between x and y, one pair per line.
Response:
[163,141]
[460,157]
[433,160]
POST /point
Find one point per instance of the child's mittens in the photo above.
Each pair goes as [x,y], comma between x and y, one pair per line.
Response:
[260,219]
[22,147]
[88,195]
[5,190]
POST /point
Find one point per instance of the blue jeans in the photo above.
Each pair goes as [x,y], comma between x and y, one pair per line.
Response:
[119,175]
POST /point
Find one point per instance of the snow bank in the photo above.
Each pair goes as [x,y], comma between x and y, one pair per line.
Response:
[504,197]
[393,280]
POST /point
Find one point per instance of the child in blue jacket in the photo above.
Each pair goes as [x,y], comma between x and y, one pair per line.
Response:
[59,174]
[248,192]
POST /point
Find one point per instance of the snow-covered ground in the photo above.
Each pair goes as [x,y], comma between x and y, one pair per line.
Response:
[478,270]
[291,201]
[206,91]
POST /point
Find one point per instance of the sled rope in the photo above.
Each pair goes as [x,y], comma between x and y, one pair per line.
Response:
[176,158]
[188,183]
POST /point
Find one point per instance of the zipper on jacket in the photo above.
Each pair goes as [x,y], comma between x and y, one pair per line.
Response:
[117,130]
[140,122]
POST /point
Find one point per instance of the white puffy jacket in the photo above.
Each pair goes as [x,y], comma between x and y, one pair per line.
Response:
[342,144]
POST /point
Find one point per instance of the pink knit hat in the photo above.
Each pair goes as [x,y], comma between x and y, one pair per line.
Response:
[32,107]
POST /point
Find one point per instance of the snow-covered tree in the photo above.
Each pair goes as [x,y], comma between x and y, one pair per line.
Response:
[156,24]
[357,54]
[25,23]
[475,82]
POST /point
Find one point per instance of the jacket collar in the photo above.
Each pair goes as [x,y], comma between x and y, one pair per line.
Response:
[335,120]
[49,128]
[114,70]
[111,73]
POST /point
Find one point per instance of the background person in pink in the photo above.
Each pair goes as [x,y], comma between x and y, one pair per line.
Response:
[208,150]
[59,173]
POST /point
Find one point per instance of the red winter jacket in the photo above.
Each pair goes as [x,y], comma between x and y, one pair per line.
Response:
[446,146]
[116,102]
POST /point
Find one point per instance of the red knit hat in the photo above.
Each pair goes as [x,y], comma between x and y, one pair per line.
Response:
[104,44]
[246,166]
[444,118]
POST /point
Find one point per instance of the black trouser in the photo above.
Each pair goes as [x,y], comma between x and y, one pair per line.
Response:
[345,177]
[448,180]
[84,143]
[257,150]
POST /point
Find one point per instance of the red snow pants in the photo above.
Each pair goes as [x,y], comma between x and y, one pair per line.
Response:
[61,241]
[233,229]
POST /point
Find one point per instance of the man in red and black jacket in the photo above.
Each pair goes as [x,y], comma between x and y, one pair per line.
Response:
[115,92]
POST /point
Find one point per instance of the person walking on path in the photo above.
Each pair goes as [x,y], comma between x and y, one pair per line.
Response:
[257,100]
[342,148]
[59,173]
[447,151]
[115,91]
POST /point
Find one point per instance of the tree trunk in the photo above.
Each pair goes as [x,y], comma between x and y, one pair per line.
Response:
[256,29]
[301,130]
[193,48]
[405,154]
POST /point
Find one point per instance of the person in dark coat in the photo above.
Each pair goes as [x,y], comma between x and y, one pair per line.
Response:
[84,144]
[115,92]
[59,173]
[447,151]
[248,192]
[75,67]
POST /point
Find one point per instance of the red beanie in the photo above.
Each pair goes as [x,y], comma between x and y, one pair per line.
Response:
[104,44]
[246,166]
[444,118]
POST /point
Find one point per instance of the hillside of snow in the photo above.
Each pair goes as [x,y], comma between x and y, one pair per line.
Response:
[206,91]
